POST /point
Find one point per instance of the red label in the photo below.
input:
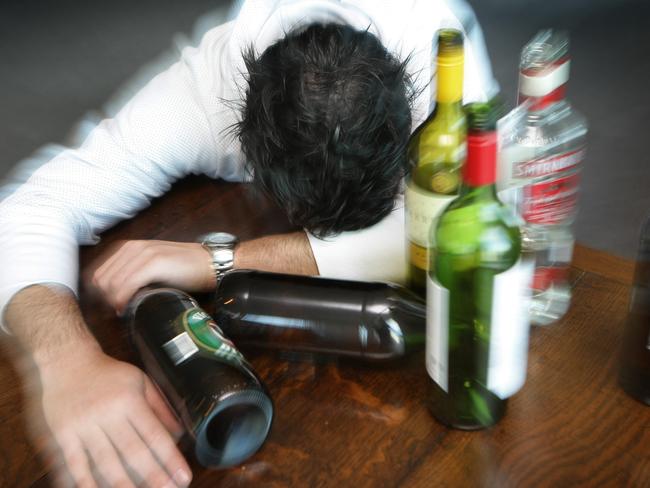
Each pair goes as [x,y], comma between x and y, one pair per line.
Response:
[545,276]
[548,166]
[551,202]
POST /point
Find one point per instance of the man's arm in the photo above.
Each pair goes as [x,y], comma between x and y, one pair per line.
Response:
[376,253]
[283,253]
[64,197]
[87,400]
[186,265]
[89,409]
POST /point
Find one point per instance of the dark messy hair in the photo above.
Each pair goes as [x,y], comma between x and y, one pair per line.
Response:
[324,126]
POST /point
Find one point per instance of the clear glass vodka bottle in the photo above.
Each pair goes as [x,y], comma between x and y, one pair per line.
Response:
[539,170]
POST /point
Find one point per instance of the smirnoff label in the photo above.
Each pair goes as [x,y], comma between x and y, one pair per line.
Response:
[548,166]
[552,195]
[551,202]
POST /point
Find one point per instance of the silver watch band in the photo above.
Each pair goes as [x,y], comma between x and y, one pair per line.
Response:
[221,246]
[222,259]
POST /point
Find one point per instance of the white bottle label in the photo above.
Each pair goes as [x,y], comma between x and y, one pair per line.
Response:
[508,348]
[180,348]
[509,327]
[422,209]
[437,338]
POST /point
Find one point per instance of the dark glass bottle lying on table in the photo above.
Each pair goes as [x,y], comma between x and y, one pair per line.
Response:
[222,403]
[319,318]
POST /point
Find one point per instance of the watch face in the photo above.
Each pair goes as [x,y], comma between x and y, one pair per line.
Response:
[219,239]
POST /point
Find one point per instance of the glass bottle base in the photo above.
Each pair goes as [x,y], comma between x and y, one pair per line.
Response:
[550,305]
[636,384]
[469,408]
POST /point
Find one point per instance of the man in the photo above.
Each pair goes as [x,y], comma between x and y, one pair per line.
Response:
[313,97]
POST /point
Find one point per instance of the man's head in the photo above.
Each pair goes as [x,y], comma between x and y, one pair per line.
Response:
[325,125]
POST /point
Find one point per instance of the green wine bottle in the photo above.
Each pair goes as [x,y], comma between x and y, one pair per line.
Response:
[436,153]
[477,293]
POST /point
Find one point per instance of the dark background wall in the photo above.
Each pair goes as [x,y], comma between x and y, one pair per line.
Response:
[60,59]
[610,72]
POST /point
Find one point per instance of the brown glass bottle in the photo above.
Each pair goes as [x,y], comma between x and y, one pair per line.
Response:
[320,317]
[222,403]
[634,375]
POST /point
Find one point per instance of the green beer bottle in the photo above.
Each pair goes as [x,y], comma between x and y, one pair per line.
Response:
[477,293]
[215,392]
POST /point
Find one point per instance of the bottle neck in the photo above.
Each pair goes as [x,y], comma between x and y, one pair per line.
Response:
[479,171]
[544,87]
[545,101]
[449,109]
[450,78]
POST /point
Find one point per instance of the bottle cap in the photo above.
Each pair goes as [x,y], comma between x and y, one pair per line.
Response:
[480,167]
[544,66]
[450,66]
[450,41]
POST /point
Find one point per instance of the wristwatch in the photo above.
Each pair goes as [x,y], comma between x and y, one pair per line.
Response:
[221,246]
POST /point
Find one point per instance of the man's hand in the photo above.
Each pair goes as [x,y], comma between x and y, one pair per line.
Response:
[108,422]
[95,417]
[136,264]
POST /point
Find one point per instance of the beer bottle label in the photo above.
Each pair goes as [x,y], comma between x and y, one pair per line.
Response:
[201,333]
[180,348]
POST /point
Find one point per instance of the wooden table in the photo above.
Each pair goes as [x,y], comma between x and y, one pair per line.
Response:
[348,425]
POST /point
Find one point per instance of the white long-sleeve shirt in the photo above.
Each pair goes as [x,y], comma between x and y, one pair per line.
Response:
[178,124]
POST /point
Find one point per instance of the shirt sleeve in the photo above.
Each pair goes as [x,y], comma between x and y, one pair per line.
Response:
[65,197]
[377,253]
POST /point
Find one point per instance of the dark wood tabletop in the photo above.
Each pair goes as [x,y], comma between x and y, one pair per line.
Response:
[349,425]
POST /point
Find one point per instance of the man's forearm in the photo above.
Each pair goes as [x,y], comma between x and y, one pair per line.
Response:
[283,253]
[47,322]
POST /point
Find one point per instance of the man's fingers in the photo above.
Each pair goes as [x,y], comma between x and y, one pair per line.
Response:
[139,263]
[123,256]
[160,442]
[120,284]
[139,275]
[105,458]
[137,266]
[138,456]
[161,409]
[76,468]
[115,252]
